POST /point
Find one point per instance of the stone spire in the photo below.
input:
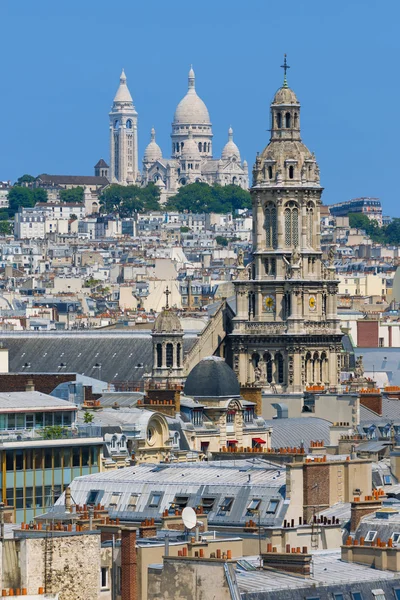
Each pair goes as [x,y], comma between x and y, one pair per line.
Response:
[123,94]
[191,80]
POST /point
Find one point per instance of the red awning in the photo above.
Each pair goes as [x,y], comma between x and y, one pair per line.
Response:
[232,441]
[259,441]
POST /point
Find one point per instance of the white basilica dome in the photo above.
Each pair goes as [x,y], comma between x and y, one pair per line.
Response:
[230,149]
[191,110]
[153,150]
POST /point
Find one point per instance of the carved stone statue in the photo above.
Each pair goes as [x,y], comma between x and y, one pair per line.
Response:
[257,374]
[288,268]
[296,258]
[331,256]
[240,258]
[262,365]
[359,368]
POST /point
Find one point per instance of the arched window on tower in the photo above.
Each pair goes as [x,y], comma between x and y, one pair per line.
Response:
[279,120]
[310,224]
[116,124]
[279,367]
[271,234]
[291,172]
[287,120]
[268,364]
[129,124]
[159,355]
[270,172]
[200,147]
[169,355]
[291,225]
[178,355]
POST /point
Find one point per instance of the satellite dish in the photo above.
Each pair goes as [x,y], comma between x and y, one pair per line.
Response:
[189,517]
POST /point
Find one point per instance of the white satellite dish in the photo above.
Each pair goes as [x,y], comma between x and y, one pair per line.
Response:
[189,517]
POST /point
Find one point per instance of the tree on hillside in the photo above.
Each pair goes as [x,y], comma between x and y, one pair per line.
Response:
[75,195]
[392,232]
[128,199]
[25,179]
[6,228]
[25,197]
[203,198]
[371,227]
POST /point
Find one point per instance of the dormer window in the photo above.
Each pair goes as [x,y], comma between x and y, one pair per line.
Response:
[270,172]
[291,172]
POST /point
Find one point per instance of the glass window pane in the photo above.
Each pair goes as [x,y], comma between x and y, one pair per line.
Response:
[39,419]
[19,460]
[11,421]
[67,457]
[19,497]
[85,456]
[48,452]
[28,497]
[20,421]
[3,421]
[28,460]
[48,419]
[57,458]
[37,455]
[75,457]
[9,460]
[58,418]
[38,496]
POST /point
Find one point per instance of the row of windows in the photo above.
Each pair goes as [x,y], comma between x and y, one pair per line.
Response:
[291,220]
[50,458]
[169,355]
[286,120]
[377,595]
[31,420]
[33,497]
[181,501]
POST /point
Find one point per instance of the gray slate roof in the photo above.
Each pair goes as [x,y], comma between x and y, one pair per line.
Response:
[32,401]
[117,352]
[292,432]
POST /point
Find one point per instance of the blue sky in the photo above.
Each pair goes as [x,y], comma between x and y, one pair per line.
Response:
[61,61]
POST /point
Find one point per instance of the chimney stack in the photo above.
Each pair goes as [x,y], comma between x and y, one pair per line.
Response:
[128,564]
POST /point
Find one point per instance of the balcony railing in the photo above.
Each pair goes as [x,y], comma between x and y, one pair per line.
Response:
[54,432]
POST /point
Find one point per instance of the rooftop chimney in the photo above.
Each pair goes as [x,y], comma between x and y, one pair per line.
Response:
[30,386]
[128,564]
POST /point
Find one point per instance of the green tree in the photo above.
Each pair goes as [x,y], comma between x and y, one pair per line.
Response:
[87,417]
[221,240]
[371,227]
[74,195]
[128,199]
[6,228]
[19,196]
[202,198]
[25,179]
[185,229]
[392,232]
[25,197]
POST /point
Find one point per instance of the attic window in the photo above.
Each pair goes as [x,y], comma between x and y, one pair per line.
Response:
[115,499]
[226,506]
[155,500]
[253,506]
[395,537]
[180,502]
[378,594]
[272,506]
[387,479]
[133,500]
[207,504]
[371,535]
[92,496]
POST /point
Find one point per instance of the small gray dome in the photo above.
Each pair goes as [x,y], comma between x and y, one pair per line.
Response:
[167,322]
[212,377]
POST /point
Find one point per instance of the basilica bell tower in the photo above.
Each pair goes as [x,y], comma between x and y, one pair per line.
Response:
[286,334]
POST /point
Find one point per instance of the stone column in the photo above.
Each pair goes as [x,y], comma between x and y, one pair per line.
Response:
[280,223]
[260,231]
[112,154]
[303,226]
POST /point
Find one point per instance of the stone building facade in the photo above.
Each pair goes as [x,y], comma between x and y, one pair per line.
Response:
[286,333]
[123,137]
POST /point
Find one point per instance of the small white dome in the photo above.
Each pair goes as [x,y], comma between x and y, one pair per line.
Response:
[159,183]
[153,150]
[191,110]
[230,148]
[190,149]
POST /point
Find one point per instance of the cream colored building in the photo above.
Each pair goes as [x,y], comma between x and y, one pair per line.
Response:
[363,285]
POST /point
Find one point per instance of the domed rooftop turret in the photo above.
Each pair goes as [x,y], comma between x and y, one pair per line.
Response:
[212,377]
[153,150]
[123,94]
[167,322]
[191,110]
[230,149]
[285,96]
[190,149]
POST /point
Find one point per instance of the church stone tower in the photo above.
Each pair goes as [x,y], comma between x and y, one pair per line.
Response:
[286,333]
[123,137]
[167,336]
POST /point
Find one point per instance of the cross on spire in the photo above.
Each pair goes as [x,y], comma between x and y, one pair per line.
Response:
[167,293]
[285,67]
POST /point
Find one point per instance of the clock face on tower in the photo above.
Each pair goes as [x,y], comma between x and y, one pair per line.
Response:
[269,303]
[312,302]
